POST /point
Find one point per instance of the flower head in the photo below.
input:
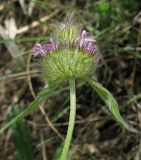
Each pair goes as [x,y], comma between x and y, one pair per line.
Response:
[71,53]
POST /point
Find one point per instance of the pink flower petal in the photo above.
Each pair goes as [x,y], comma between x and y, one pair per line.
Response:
[87,43]
[37,49]
[84,34]
[49,46]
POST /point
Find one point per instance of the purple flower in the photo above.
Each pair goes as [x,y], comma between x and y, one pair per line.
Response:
[83,38]
[87,43]
[41,50]
[49,46]
[37,49]
[90,48]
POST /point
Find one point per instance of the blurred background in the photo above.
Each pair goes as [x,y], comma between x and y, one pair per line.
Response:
[116,25]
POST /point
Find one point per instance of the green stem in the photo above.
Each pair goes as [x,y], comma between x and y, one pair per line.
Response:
[71,119]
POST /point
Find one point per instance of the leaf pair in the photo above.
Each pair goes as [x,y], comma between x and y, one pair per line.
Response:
[47,92]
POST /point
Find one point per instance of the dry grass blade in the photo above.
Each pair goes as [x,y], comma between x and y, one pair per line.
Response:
[37,23]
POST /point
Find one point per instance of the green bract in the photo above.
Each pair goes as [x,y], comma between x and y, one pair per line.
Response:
[67,33]
[68,63]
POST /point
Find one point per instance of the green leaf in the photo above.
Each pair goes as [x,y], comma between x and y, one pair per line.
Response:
[42,96]
[103,6]
[58,152]
[21,137]
[108,98]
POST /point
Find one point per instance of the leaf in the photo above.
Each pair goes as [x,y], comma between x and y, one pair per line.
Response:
[108,98]
[58,152]
[103,6]
[21,137]
[43,95]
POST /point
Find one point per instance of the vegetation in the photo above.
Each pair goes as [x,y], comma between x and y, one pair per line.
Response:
[116,25]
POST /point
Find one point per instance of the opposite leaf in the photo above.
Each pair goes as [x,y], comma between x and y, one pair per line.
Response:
[108,98]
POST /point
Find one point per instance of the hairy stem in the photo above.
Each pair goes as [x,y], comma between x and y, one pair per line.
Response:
[71,119]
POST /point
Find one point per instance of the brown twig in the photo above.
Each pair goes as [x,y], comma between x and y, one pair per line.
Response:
[83,121]
[43,147]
